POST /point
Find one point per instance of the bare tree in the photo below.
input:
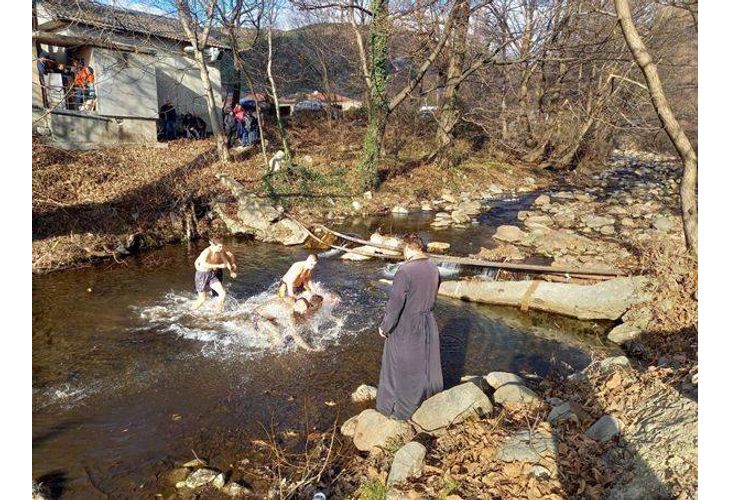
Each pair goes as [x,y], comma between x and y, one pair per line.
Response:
[196,18]
[688,189]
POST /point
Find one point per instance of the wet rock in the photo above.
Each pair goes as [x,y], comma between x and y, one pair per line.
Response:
[364,393]
[541,200]
[510,234]
[605,428]
[498,379]
[177,475]
[200,477]
[438,246]
[196,462]
[515,394]
[408,462]
[399,210]
[374,430]
[625,332]
[527,446]
[460,217]
[364,252]
[452,406]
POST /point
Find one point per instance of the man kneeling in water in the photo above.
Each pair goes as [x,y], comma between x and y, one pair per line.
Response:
[283,314]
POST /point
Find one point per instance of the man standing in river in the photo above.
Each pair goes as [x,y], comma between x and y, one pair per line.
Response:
[411,367]
[209,268]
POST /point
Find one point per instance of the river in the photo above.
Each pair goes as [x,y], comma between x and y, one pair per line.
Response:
[127,381]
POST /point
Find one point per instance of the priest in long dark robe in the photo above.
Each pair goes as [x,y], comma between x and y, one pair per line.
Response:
[411,367]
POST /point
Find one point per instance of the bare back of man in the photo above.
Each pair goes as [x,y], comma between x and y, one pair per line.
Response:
[282,314]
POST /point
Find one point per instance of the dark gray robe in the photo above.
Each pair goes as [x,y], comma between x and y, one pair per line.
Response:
[411,367]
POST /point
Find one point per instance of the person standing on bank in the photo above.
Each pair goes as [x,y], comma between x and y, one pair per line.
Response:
[410,371]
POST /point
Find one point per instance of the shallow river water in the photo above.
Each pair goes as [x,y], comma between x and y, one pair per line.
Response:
[127,380]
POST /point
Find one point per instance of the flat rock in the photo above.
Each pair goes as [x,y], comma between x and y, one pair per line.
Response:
[625,332]
[438,246]
[510,234]
[516,394]
[364,393]
[399,210]
[605,428]
[498,379]
[452,406]
[374,430]
[408,462]
[662,223]
[527,446]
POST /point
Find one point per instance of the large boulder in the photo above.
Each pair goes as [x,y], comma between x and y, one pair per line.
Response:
[374,430]
[408,462]
[608,299]
[452,406]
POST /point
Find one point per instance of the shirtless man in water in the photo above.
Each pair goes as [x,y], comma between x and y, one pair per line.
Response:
[298,278]
[283,314]
[209,268]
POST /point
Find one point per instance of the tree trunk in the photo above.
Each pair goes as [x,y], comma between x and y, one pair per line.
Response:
[688,188]
[213,114]
[186,20]
[275,96]
[378,106]
[449,116]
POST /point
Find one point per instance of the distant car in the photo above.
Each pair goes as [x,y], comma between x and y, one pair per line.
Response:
[309,106]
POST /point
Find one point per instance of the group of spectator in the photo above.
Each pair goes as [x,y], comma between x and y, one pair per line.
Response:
[77,81]
[241,123]
[191,126]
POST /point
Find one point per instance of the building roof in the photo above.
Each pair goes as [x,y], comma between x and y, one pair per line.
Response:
[99,15]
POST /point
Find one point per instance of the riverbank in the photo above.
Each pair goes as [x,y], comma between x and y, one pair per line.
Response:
[104,204]
[625,427]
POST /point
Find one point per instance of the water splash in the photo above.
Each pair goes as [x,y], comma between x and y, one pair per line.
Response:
[236,330]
